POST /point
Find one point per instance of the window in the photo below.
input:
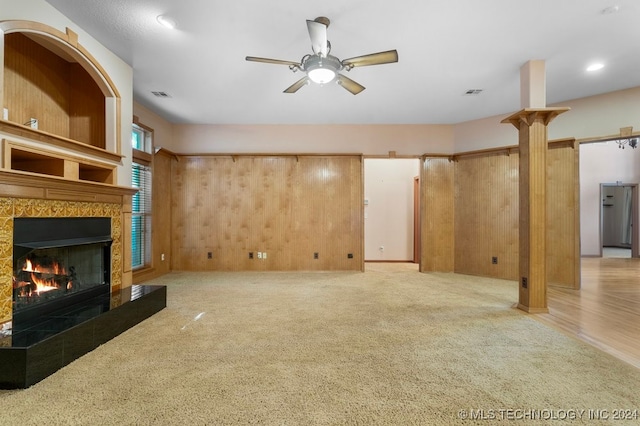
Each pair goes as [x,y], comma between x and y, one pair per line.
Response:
[141,173]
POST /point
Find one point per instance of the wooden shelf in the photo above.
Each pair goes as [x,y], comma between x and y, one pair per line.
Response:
[26,158]
[57,141]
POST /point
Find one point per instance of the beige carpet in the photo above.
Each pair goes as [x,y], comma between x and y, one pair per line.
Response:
[388,346]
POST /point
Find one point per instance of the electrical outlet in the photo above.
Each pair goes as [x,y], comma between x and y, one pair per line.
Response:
[209,255]
[162,257]
[494,260]
[250,255]
[5,113]
[316,255]
[34,123]
[259,255]
[524,282]
[264,255]
[350,256]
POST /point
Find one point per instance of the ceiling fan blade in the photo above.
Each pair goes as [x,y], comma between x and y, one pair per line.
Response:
[349,84]
[297,85]
[272,61]
[318,36]
[373,59]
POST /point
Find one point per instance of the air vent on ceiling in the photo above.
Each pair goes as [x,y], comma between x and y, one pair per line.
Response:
[473,92]
[161,94]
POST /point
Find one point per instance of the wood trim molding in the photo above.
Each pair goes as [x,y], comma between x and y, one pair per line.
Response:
[270,154]
[529,116]
[58,141]
[31,185]
[69,43]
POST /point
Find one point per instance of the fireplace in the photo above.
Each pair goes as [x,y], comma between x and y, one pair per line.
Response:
[83,229]
[58,262]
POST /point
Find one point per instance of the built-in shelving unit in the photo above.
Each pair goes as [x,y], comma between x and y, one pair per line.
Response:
[36,160]
[59,108]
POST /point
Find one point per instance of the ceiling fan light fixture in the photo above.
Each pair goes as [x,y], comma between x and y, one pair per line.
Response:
[322,70]
[321,75]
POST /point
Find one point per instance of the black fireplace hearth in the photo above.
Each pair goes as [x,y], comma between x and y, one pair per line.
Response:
[41,348]
[63,304]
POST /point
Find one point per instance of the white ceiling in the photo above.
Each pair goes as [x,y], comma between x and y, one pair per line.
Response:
[445,48]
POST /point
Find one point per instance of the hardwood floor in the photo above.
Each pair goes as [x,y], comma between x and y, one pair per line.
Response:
[606,311]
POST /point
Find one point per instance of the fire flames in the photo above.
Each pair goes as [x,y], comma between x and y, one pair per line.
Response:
[41,278]
[55,268]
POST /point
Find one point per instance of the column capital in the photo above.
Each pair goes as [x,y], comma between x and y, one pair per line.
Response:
[529,116]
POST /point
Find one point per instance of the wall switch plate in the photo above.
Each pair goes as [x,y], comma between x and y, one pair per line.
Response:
[264,254]
[5,113]
[162,257]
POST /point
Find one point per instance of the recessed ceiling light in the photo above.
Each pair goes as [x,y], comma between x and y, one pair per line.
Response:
[609,10]
[595,67]
[166,22]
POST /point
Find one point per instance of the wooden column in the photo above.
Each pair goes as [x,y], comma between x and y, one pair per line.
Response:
[532,127]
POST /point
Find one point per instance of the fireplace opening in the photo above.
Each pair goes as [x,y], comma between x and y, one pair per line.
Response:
[57,263]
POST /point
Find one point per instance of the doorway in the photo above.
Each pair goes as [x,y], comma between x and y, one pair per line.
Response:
[618,208]
[389,209]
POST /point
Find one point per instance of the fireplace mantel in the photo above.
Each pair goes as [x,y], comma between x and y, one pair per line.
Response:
[24,194]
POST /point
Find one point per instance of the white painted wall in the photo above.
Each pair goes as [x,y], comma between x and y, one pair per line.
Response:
[162,129]
[591,117]
[388,190]
[416,139]
[601,163]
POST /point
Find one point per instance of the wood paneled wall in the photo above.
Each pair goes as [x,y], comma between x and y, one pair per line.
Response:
[86,109]
[563,214]
[486,214]
[35,85]
[294,206]
[287,206]
[61,95]
[437,215]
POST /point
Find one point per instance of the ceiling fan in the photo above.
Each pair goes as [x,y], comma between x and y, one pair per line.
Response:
[321,67]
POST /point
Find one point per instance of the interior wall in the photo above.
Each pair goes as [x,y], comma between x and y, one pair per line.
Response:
[563,215]
[437,198]
[487,214]
[162,129]
[600,163]
[410,139]
[289,207]
[589,117]
[388,210]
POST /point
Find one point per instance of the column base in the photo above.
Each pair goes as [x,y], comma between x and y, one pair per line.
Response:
[531,310]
